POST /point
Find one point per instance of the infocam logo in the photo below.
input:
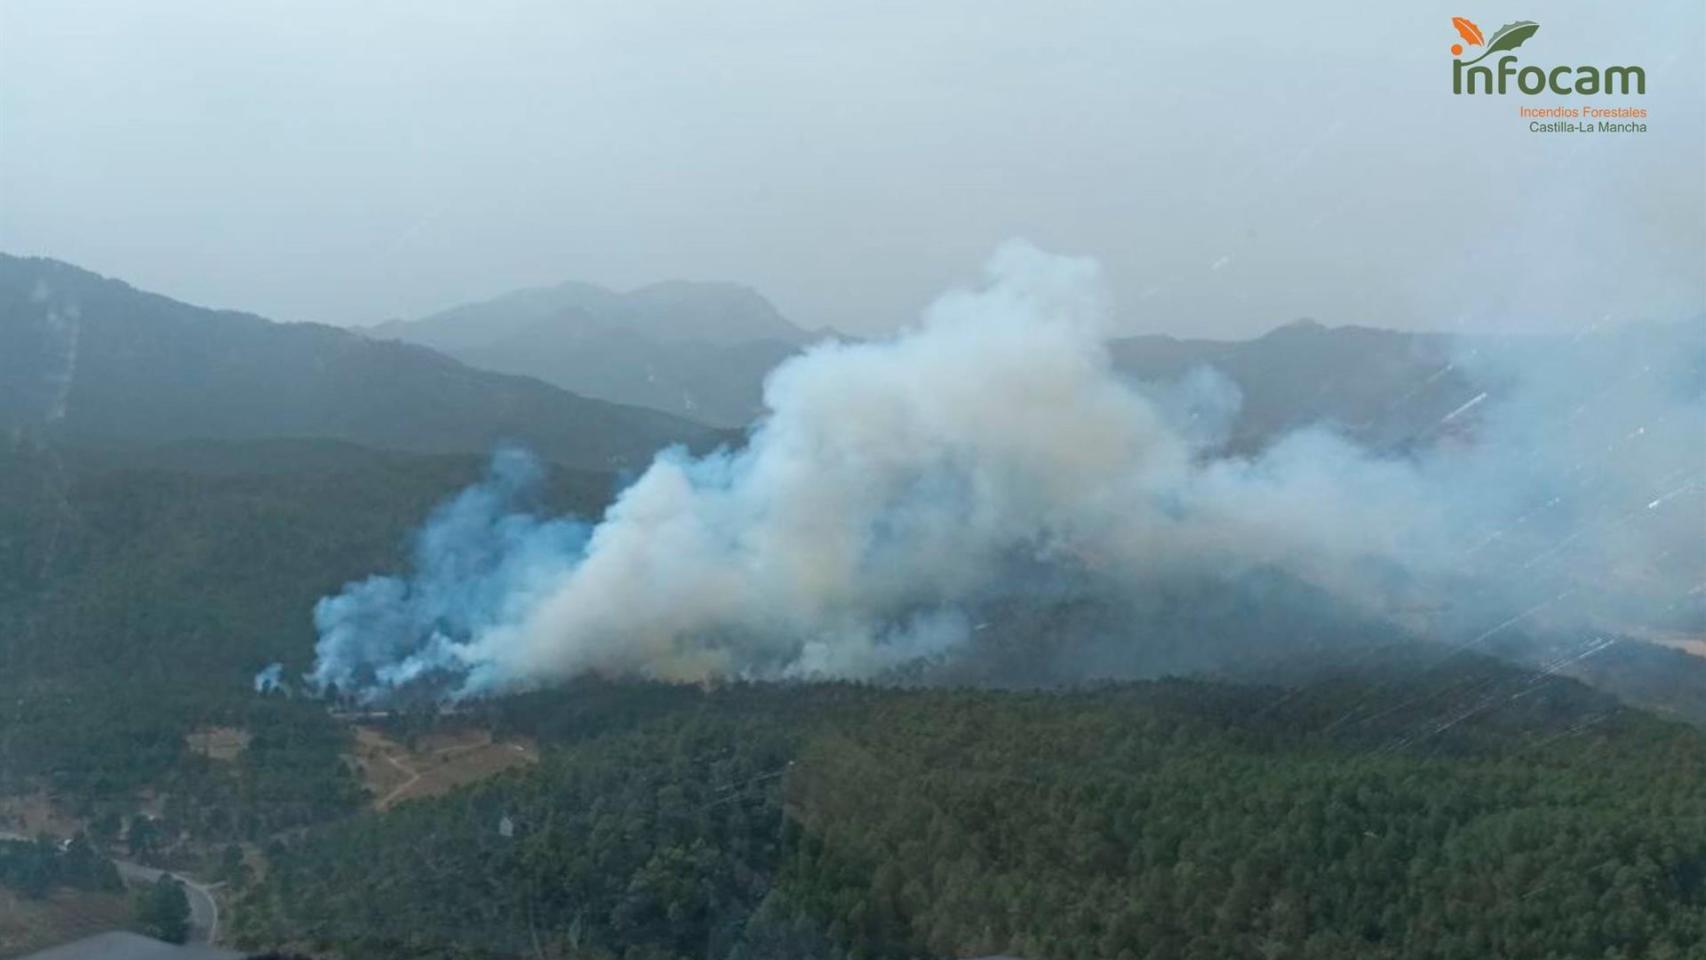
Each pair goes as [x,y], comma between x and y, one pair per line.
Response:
[1466,77]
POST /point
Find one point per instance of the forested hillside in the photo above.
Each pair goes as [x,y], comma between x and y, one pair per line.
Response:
[140,593]
[1405,810]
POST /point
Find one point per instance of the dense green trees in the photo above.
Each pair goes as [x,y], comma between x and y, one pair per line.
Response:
[1170,820]
[162,909]
[1464,812]
[35,868]
[140,592]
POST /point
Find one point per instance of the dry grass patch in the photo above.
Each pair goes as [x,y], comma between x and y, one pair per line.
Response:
[440,762]
[218,743]
[32,813]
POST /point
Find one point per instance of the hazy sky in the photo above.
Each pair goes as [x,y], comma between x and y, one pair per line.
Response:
[1234,166]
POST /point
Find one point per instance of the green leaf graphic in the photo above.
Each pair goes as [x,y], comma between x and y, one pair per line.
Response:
[1508,37]
[1512,35]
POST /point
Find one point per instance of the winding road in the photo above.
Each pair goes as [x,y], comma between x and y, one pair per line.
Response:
[204,908]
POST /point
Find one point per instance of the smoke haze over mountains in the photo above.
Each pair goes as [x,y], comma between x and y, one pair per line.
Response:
[853,481]
[899,489]
[1230,163]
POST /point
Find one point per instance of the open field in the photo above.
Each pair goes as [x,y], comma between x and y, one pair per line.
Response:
[29,814]
[439,762]
[217,743]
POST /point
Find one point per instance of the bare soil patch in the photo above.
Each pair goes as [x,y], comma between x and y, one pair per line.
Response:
[217,743]
[440,762]
[28,814]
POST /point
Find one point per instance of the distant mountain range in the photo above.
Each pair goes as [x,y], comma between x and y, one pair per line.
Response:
[588,377]
[87,360]
[702,350]
[1385,388]
[698,350]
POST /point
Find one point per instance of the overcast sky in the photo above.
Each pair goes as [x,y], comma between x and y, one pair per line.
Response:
[1234,166]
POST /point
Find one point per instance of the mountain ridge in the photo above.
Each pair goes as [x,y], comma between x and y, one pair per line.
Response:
[688,348]
[735,312]
[89,359]
[581,337]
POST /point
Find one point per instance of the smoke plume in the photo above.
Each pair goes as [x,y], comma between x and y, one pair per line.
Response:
[897,492]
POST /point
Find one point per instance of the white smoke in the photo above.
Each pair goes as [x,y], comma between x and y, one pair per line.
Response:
[894,486]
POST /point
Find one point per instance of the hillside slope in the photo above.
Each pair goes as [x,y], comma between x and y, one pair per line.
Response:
[140,591]
[1162,820]
[92,361]
[1385,388]
[703,350]
[698,350]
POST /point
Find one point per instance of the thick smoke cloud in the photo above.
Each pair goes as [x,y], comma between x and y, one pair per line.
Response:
[480,563]
[900,490]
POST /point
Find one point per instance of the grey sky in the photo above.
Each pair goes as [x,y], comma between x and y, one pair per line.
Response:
[1233,165]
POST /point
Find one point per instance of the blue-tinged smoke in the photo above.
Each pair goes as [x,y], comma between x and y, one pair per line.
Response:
[271,678]
[896,491]
[481,561]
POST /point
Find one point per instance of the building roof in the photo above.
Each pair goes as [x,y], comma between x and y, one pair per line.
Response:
[119,945]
